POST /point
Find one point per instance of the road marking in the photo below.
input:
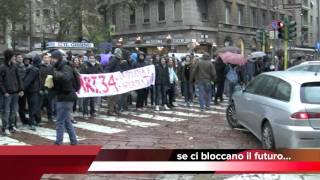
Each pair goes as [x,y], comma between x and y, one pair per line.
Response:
[155,117]
[184,114]
[199,111]
[9,141]
[127,121]
[47,133]
[97,128]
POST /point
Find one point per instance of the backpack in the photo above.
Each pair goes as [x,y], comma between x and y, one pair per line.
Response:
[232,75]
[76,82]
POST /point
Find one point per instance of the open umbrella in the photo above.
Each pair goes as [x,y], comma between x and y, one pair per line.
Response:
[229,49]
[233,58]
[257,54]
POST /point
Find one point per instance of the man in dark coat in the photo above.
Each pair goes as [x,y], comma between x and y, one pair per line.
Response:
[221,77]
[90,67]
[65,92]
[141,93]
[114,66]
[204,75]
[22,99]
[32,86]
[11,87]
[45,94]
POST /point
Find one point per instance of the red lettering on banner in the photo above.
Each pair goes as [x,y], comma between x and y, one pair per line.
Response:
[87,81]
[103,79]
[82,84]
[93,78]
[112,82]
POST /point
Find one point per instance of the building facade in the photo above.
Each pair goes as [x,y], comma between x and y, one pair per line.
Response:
[178,25]
[307,18]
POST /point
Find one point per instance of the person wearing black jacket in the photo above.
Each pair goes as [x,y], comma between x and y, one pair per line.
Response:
[221,77]
[141,93]
[125,65]
[22,99]
[32,86]
[11,87]
[162,83]
[46,99]
[90,67]
[114,66]
[66,94]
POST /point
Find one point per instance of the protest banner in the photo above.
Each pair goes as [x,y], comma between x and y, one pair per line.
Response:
[109,84]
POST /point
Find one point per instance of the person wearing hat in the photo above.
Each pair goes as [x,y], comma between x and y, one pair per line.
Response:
[31,84]
[114,66]
[142,94]
[66,94]
[11,87]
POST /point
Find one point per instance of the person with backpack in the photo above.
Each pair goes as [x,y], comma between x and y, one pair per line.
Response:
[233,79]
[66,83]
[221,77]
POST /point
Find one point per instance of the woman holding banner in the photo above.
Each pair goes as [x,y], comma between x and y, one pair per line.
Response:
[141,93]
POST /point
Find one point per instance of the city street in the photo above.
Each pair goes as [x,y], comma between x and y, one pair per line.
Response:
[179,128]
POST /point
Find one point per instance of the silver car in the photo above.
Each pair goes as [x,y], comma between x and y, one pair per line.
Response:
[282,109]
[313,66]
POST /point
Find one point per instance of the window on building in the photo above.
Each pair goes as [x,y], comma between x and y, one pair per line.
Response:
[282,16]
[240,14]
[113,16]
[177,9]
[38,13]
[264,18]
[311,20]
[162,11]
[204,8]
[46,13]
[254,22]
[227,14]
[132,15]
[146,13]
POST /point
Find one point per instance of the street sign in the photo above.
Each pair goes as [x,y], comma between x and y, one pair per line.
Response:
[317,46]
[292,6]
[274,24]
[273,34]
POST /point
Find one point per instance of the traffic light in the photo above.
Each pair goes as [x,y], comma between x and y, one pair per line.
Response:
[281,30]
[292,30]
[262,36]
[44,45]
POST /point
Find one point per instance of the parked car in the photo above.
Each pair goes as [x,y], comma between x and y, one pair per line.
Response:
[282,109]
[313,66]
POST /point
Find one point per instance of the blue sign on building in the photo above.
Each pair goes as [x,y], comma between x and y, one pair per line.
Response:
[317,47]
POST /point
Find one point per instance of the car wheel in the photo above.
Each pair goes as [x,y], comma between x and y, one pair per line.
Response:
[267,137]
[231,116]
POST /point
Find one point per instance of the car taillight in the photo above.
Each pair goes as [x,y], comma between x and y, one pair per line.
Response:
[305,116]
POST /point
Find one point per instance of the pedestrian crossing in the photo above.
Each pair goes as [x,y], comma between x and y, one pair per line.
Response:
[108,125]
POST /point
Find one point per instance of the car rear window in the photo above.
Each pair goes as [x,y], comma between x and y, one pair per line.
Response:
[310,93]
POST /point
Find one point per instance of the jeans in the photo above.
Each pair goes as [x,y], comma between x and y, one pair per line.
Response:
[232,88]
[161,91]
[171,94]
[123,102]
[141,96]
[205,94]
[64,118]
[10,109]
[220,89]
[188,92]
[112,103]
[86,102]
[34,108]
[46,101]
[152,94]
[22,109]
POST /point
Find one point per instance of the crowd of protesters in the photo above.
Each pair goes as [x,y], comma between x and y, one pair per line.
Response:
[32,87]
